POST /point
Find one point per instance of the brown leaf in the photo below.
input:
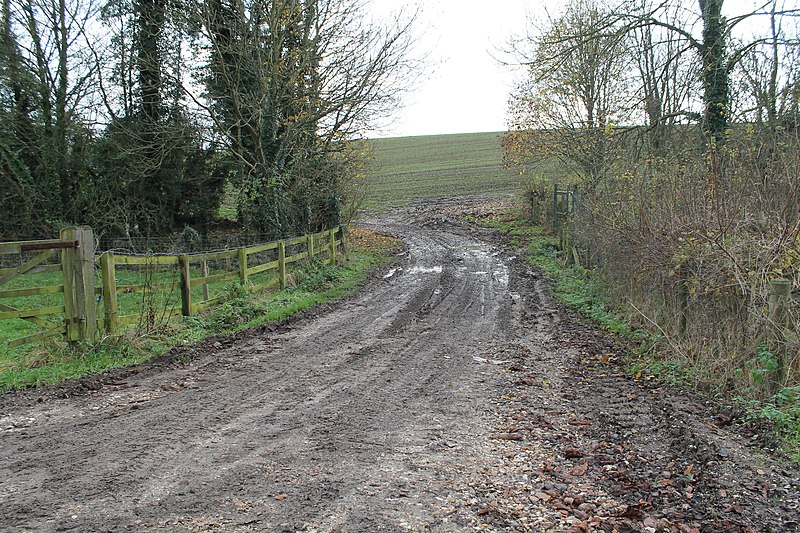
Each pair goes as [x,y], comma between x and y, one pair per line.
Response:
[634,511]
[651,522]
[580,469]
[281,497]
[580,423]
[506,436]
[573,453]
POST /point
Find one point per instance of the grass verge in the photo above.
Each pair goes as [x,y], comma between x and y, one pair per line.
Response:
[585,291]
[313,284]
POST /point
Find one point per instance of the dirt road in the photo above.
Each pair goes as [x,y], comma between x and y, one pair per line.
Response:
[450,395]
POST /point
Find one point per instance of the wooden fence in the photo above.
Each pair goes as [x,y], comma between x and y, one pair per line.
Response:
[84,297]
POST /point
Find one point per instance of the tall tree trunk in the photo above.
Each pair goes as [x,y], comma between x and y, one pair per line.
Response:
[715,70]
[151,24]
[62,170]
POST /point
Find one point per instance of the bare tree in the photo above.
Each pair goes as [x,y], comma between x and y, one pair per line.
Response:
[290,82]
[667,70]
[49,78]
[575,94]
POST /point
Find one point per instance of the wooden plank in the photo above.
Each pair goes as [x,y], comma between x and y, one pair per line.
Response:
[282,264]
[332,237]
[262,248]
[84,283]
[38,336]
[28,265]
[266,285]
[146,260]
[33,291]
[68,277]
[263,267]
[213,256]
[19,247]
[296,240]
[213,279]
[35,270]
[110,305]
[205,285]
[296,257]
[145,287]
[33,319]
[10,248]
[43,245]
[28,313]
[186,286]
[242,253]
[310,246]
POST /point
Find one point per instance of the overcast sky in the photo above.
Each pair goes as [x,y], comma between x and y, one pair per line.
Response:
[466,90]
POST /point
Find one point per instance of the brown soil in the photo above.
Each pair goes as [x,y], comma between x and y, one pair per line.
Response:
[452,394]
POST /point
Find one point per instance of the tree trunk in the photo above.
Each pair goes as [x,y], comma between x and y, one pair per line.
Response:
[715,71]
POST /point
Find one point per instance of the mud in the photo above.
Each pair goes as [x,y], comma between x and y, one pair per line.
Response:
[451,394]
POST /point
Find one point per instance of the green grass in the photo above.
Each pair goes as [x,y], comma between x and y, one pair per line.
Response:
[312,284]
[410,168]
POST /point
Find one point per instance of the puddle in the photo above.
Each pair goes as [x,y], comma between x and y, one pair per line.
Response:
[391,273]
[502,275]
[425,270]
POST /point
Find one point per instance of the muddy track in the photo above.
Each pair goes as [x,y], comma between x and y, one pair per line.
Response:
[451,395]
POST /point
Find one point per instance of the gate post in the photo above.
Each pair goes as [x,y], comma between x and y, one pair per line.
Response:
[80,304]
[555,207]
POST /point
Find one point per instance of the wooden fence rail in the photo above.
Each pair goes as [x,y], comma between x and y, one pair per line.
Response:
[79,296]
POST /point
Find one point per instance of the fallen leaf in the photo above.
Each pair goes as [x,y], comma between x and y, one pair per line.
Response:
[688,469]
[580,423]
[573,453]
[651,522]
[634,511]
[580,469]
[281,497]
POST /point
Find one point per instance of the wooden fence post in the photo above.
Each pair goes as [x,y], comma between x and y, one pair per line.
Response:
[555,207]
[243,266]
[186,285]
[110,293]
[332,236]
[343,232]
[780,291]
[282,263]
[80,305]
[205,285]
[310,245]
[68,277]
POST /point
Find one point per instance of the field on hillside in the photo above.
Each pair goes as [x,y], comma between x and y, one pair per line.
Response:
[407,168]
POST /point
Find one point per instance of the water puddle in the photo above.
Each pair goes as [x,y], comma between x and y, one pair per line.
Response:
[391,272]
[425,270]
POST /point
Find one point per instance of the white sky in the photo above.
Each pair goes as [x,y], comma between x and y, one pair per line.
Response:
[466,90]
